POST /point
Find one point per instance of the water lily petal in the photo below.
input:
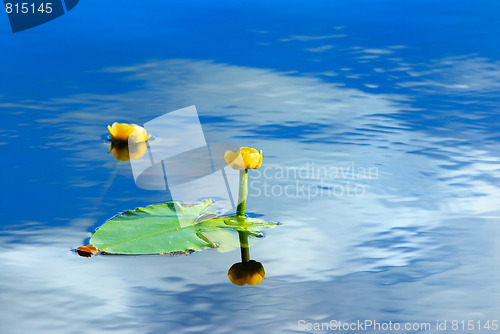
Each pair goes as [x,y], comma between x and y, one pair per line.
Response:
[124,131]
[244,158]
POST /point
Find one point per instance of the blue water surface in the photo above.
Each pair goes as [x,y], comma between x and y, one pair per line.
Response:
[379,126]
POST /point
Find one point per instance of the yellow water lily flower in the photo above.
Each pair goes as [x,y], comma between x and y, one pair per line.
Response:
[244,158]
[251,273]
[123,131]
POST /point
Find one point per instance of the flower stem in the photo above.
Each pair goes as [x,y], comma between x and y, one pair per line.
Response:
[240,213]
[245,252]
[243,191]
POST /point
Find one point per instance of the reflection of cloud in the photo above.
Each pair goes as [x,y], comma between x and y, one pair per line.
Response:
[463,75]
[368,57]
[358,49]
[26,106]
[263,32]
[320,48]
[42,287]
[241,94]
[377,51]
[303,38]
[398,47]
[355,76]
[49,289]
[48,286]
[329,74]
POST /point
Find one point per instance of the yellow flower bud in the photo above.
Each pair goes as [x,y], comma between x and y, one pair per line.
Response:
[123,131]
[244,158]
[251,273]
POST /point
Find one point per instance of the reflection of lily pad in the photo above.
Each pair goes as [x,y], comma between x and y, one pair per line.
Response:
[170,227]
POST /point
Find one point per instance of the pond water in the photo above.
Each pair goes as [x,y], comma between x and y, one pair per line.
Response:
[379,127]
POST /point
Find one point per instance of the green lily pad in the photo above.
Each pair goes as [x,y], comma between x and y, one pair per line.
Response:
[170,227]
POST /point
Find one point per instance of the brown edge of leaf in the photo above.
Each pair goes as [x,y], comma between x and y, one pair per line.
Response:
[87,251]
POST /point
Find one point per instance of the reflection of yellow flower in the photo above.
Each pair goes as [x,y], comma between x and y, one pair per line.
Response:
[123,131]
[251,273]
[244,158]
[124,151]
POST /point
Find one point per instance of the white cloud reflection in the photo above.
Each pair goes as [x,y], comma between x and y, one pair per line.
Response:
[465,75]
[305,38]
[322,48]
